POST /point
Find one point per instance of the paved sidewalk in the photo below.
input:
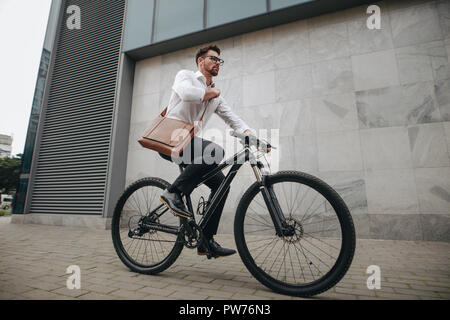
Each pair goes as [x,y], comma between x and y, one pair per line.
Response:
[34,259]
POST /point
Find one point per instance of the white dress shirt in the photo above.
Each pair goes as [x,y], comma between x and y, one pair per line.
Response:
[186,102]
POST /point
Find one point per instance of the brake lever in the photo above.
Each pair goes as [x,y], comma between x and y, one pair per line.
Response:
[249,138]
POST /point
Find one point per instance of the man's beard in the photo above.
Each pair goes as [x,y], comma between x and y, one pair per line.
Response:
[213,72]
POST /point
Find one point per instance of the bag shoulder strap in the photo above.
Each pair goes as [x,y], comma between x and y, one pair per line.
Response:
[164,112]
[203,112]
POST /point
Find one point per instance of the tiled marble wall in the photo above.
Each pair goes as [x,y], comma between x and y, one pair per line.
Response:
[366,110]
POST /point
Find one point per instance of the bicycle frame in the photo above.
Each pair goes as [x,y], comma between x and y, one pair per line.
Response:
[236,161]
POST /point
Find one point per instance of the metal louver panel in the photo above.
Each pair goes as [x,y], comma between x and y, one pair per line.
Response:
[71,169]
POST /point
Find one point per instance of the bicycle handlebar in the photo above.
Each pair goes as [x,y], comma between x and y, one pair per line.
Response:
[248,139]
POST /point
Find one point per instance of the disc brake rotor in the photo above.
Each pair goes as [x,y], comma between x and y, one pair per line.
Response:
[298,231]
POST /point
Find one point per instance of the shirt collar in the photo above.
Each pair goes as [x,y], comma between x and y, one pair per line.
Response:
[200,75]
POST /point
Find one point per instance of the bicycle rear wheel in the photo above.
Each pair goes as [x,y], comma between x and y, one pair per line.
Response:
[142,248]
[312,259]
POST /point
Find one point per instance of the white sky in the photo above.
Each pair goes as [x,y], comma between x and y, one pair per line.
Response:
[22,30]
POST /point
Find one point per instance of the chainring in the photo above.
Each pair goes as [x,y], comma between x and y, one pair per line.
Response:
[192,234]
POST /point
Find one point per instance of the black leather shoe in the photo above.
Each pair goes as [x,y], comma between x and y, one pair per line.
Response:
[175,203]
[216,250]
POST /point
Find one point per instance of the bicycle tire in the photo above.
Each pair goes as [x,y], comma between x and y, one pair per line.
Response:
[348,242]
[131,263]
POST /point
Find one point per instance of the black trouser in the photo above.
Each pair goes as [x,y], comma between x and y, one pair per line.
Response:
[195,166]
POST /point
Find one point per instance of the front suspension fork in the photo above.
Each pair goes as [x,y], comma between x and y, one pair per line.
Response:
[276,213]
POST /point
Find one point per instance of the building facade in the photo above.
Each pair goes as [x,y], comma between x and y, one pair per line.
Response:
[367,109]
[5,145]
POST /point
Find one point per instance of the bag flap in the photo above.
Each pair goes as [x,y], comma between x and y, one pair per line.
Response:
[168,131]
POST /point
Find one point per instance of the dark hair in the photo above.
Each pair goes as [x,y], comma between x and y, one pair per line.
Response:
[202,51]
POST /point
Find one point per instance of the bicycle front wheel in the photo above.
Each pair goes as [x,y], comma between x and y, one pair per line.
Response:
[144,231]
[313,258]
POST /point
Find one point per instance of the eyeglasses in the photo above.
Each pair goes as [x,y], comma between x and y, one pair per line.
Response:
[216,60]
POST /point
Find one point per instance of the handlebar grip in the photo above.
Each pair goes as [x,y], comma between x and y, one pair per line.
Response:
[251,140]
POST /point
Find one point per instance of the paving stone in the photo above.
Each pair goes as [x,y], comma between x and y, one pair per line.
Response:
[431,288]
[38,294]
[98,288]
[8,295]
[207,285]
[242,290]
[239,296]
[152,283]
[125,285]
[156,297]
[365,292]
[420,293]
[186,289]
[70,293]
[270,294]
[182,295]
[396,296]
[233,283]
[16,288]
[156,291]
[445,295]
[337,296]
[438,283]
[386,284]
[47,286]
[196,278]
[215,293]
[96,296]
[127,294]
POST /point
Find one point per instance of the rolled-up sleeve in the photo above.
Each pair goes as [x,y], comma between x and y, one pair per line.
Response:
[183,86]
[224,111]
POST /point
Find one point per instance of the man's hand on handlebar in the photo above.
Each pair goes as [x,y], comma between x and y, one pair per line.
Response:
[251,133]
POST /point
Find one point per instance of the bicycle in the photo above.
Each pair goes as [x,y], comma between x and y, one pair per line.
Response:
[286,247]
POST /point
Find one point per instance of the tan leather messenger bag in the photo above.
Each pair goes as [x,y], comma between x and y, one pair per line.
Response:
[169,136]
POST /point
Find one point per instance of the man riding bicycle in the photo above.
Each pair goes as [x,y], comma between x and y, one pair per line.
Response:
[194,96]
